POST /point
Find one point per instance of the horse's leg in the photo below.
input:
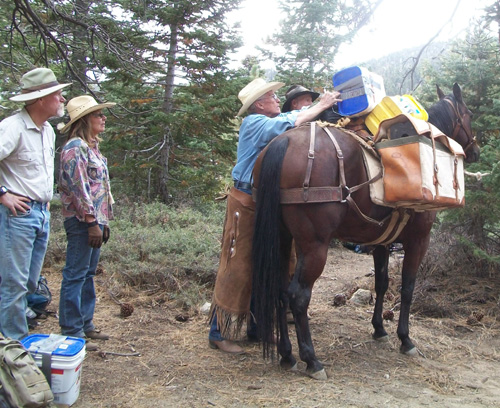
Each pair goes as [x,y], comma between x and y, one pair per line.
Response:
[287,361]
[381,263]
[415,250]
[309,268]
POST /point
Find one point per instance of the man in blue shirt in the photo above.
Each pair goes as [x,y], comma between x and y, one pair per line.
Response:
[233,287]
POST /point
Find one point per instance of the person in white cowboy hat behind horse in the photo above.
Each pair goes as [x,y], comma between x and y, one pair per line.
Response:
[233,287]
[27,143]
[87,209]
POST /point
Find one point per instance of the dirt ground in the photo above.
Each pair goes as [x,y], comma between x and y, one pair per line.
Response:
[458,363]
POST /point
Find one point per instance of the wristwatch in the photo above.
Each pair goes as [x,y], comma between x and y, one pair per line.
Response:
[3,190]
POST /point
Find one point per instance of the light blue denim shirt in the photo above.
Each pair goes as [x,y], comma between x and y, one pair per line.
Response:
[256,132]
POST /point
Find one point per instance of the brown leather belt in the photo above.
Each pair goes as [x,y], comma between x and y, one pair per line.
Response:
[242,185]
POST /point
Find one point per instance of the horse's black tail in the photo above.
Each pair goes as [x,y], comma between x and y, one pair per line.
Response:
[266,244]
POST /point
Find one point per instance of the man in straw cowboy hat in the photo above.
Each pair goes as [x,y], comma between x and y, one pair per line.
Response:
[233,287]
[27,144]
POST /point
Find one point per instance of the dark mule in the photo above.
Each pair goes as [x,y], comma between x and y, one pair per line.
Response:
[313,225]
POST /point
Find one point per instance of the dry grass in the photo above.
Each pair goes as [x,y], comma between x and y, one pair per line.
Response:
[458,364]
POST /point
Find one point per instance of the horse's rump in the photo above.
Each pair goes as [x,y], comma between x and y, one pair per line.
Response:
[337,172]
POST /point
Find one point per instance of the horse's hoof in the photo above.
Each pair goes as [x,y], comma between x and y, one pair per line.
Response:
[319,375]
[382,339]
[289,366]
[409,352]
[288,363]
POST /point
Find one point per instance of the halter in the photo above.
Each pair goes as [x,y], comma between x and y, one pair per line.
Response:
[459,124]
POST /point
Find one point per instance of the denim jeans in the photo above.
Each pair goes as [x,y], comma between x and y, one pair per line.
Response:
[77,300]
[23,244]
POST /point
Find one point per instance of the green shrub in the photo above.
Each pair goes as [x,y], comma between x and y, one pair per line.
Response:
[157,247]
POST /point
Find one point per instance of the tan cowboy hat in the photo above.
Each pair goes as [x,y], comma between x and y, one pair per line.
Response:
[37,83]
[254,90]
[80,106]
[294,92]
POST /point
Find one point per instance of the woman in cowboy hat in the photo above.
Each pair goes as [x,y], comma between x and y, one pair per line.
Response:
[26,185]
[87,208]
[233,286]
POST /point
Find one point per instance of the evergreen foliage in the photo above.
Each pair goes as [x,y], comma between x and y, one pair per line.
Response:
[173,133]
[172,137]
[474,64]
[310,35]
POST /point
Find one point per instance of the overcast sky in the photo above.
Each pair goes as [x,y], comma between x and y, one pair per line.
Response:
[397,24]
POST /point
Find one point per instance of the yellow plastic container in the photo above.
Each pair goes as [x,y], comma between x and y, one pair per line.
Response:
[391,106]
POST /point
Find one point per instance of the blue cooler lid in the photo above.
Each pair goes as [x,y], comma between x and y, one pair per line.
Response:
[345,75]
[66,346]
[354,98]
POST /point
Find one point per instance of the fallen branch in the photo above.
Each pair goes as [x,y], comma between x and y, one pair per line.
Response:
[103,354]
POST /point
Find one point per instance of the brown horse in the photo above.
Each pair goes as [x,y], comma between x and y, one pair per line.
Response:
[312,226]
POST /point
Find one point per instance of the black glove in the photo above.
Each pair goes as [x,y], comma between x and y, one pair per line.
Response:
[95,236]
[105,234]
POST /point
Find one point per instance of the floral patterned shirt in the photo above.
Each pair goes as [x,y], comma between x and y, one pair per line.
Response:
[84,182]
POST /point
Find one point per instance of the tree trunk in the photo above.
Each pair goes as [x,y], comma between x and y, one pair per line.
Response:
[167,108]
[80,43]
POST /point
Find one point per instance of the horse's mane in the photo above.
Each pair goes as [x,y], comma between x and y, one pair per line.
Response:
[440,115]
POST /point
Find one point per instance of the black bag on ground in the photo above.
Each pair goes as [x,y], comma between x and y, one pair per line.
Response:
[22,382]
[41,298]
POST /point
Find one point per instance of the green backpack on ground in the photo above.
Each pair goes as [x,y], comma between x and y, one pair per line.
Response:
[22,382]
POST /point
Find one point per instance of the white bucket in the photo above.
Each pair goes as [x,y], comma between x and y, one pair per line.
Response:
[67,354]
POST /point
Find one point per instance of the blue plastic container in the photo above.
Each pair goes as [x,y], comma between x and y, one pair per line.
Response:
[360,89]
[67,355]
[68,348]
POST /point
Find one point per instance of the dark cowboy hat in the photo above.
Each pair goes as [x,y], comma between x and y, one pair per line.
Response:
[295,91]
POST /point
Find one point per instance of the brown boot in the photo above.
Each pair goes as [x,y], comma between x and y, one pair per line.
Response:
[89,346]
[226,346]
[96,335]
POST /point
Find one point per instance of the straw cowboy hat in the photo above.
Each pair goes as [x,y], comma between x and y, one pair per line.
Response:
[80,106]
[254,90]
[37,83]
[294,92]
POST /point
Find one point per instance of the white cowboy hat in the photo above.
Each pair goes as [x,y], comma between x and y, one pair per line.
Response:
[254,90]
[80,106]
[37,83]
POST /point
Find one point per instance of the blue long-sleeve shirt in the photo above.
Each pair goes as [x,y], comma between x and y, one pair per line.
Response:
[256,132]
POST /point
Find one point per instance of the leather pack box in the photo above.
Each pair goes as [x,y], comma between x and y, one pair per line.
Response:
[422,171]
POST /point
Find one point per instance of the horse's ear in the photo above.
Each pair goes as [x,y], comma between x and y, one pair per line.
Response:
[457,92]
[440,92]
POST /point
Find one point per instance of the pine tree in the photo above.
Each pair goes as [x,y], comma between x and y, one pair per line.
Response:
[473,63]
[164,62]
[310,36]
